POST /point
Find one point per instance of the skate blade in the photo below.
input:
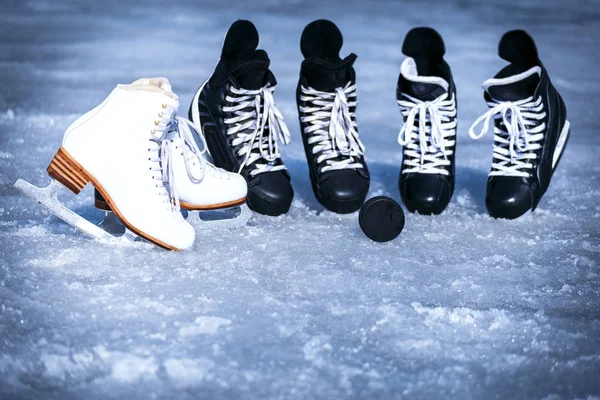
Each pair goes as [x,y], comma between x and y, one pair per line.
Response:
[220,219]
[112,225]
[48,198]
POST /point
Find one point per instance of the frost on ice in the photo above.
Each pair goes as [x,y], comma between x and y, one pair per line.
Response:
[301,306]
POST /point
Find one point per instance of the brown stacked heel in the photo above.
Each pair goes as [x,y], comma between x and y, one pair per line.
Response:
[67,171]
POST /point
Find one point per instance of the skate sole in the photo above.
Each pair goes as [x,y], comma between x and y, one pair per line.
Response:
[102,205]
[212,207]
[341,206]
[64,169]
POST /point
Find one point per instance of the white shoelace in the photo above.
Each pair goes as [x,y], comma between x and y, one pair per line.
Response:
[518,136]
[332,127]
[255,112]
[170,132]
[428,134]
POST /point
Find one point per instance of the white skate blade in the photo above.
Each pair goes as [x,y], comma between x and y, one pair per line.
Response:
[208,220]
[48,198]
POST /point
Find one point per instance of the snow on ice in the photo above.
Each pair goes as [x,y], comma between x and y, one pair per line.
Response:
[300,306]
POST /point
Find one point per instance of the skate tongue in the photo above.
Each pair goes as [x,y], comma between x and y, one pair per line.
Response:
[424,88]
[517,47]
[248,65]
[252,74]
[327,75]
[240,42]
[320,44]
[425,91]
[515,87]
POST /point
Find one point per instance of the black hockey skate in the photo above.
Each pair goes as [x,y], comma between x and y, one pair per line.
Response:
[530,128]
[326,98]
[427,99]
[238,117]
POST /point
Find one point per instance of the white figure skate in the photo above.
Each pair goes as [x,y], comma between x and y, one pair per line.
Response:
[122,148]
[212,197]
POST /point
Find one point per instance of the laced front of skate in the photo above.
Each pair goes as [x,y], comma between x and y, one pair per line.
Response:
[517,135]
[172,136]
[195,163]
[331,127]
[257,125]
[428,134]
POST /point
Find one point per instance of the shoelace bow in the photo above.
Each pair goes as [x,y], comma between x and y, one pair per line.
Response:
[513,147]
[332,127]
[256,110]
[433,138]
[170,128]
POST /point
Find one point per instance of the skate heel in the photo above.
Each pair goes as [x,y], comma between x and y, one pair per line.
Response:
[67,171]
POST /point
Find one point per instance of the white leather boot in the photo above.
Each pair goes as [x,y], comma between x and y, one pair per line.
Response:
[195,181]
[120,147]
[199,184]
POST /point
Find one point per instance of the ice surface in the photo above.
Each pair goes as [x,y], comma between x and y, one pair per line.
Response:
[300,306]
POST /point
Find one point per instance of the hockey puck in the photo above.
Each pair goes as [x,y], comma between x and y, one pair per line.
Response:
[381,219]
